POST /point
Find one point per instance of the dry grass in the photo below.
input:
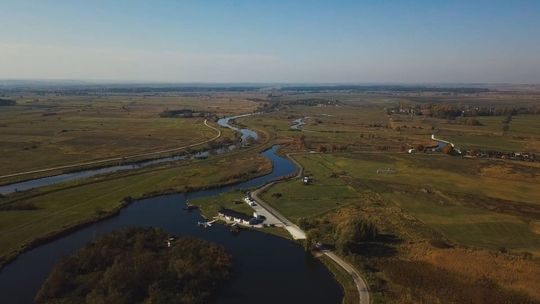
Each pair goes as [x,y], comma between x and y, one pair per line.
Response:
[512,272]
[56,131]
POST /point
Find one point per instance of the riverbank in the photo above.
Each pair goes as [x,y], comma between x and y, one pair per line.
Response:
[338,266]
[107,213]
[71,213]
[103,163]
[252,249]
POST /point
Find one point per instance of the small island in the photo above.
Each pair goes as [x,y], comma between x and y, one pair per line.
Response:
[139,266]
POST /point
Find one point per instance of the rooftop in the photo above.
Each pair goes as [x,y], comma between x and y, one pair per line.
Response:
[235,214]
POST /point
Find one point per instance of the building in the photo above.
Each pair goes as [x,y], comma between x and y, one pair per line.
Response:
[235,216]
[307,180]
[250,201]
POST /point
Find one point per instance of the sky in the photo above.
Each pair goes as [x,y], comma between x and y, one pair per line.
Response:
[293,41]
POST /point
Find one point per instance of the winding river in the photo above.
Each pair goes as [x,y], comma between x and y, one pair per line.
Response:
[81,174]
[267,269]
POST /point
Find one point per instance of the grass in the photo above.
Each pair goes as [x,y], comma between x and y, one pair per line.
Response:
[470,226]
[210,206]
[296,200]
[354,127]
[86,128]
[66,205]
[445,173]
[447,204]
[525,125]
[486,142]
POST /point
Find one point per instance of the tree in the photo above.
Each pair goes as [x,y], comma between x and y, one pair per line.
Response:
[352,232]
[505,128]
[321,148]
[447,149]
[137,266]
[302,142]
[312,236]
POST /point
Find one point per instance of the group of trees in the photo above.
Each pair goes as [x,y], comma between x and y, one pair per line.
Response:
[138,266]
[352,232]
[451,111]
[332,148]
[470,121]
[346,235]
[7,102]
[183,113]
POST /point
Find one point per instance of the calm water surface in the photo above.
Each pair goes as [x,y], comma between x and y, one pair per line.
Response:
[267,269]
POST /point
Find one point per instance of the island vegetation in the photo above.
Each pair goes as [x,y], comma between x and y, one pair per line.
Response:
[139,266]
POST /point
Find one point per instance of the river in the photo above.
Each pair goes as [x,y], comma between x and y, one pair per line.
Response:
[266,268]
[81,174]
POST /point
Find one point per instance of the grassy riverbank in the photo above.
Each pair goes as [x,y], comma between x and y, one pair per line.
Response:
[41,133]
[46,212]
[423,203]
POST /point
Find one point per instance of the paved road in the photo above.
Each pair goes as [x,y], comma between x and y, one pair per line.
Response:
[361,285]
[294,230]
[120,158]
[441,140]
[299,234]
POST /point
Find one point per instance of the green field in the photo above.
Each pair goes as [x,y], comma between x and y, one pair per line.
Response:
[62,206]
[421,204]
[469,226]
[210,206]
[296,200]
[442,192]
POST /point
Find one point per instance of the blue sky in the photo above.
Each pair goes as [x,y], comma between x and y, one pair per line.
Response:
[271,41]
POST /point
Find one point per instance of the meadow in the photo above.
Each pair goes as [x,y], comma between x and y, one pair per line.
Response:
[436,213]
[425,206]
[41,133]
[45,212]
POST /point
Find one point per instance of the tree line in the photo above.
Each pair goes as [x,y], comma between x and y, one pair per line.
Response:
[7,102]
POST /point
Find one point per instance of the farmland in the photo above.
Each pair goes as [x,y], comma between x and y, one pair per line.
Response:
[435,212]
[42,132]
[440,212]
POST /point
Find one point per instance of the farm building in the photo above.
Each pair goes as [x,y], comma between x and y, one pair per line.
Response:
[235,216]
[307,180]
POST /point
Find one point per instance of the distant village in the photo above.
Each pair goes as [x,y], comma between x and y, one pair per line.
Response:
[449,148]
[454,111]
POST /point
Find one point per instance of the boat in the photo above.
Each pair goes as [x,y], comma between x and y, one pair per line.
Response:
[206,224]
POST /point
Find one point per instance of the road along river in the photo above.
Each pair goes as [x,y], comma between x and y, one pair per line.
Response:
[267,269]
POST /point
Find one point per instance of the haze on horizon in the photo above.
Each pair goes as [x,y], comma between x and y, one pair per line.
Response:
[272,41]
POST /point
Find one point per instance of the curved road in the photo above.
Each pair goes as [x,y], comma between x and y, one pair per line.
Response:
[299,234]
[120,158]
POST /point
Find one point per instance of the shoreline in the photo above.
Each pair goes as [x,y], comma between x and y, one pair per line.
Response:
[6,259]
[10,257]
[103,163]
